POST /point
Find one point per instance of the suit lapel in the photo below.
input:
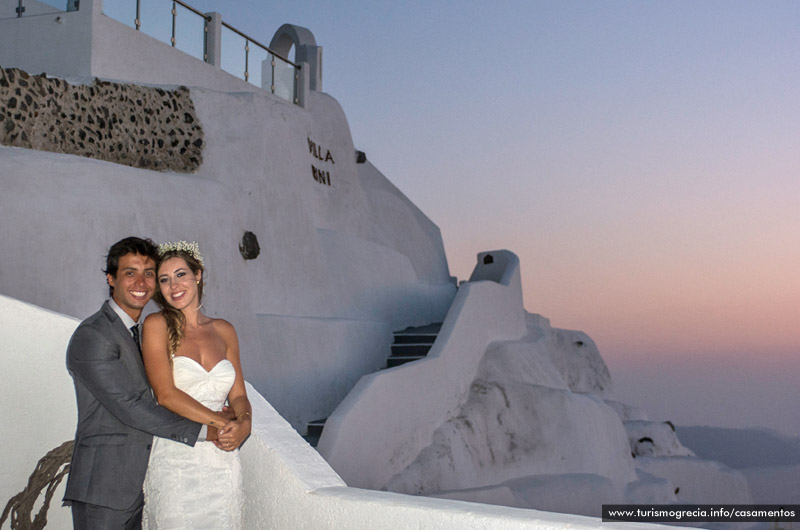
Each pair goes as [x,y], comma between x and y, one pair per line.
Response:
[122,335]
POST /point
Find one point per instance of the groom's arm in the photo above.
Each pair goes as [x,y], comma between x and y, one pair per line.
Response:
[95,362]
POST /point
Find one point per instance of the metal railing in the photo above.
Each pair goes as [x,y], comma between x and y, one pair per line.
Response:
[41,7]
[282,75]
[283,72]
[174,11]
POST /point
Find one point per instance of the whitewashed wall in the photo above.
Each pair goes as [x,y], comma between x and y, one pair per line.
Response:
[86,43]
[297,489]
[38,398]
[44,41]
[8,8]
[119,52]
[407,403]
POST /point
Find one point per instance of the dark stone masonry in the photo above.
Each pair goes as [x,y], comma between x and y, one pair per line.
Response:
[144,127]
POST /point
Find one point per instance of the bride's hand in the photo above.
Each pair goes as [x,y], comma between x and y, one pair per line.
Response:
[234,433]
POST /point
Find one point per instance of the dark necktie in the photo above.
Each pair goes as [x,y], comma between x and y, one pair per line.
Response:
[135,331]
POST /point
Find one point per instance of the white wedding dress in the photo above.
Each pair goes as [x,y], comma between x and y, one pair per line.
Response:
[196,487]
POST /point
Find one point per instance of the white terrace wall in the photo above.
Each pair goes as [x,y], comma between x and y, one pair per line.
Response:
[120,52]
[287,484]
[406,404]
[86,43]
[299,490]
[39,412]
[8,8]
[45,41]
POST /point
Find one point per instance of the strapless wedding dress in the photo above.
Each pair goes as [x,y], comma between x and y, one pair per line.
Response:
[196,487]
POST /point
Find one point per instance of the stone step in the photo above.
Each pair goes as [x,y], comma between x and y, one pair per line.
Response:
[393,361]
[410,349]
[314,431]
[414,339]
[410,344]
[429,329]
[315,427]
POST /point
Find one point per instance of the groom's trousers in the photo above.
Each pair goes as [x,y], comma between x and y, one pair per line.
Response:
[93,517]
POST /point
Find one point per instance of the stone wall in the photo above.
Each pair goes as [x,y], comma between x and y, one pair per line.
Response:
[138,126]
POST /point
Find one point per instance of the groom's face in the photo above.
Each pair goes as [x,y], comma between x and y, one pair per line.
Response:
[134,283]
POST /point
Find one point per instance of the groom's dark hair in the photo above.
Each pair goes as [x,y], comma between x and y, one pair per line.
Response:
[129,245]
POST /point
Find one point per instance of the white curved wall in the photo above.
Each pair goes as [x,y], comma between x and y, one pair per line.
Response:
[406,404]
[534,424]
[38,398]
[296,489]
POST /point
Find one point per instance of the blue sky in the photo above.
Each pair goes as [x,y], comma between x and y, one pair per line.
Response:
[641,157]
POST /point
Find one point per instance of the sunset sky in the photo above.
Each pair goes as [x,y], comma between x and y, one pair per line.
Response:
[642,158]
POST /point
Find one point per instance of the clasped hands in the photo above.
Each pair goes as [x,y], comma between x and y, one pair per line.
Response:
[232,434]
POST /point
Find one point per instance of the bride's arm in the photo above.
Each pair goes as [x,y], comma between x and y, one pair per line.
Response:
[159,372]
[236,431]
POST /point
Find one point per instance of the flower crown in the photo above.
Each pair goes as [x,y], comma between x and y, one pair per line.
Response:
[193,249]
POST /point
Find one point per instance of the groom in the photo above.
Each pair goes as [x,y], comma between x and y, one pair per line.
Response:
[117,414]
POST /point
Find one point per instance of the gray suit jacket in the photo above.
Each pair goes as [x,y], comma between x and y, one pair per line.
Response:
[117,414]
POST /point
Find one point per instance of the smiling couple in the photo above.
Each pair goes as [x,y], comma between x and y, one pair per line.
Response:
[172,384]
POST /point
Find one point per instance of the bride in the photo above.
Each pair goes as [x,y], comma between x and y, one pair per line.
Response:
[192,362]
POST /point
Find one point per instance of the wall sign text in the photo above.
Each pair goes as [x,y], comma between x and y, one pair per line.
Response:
[320,174]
